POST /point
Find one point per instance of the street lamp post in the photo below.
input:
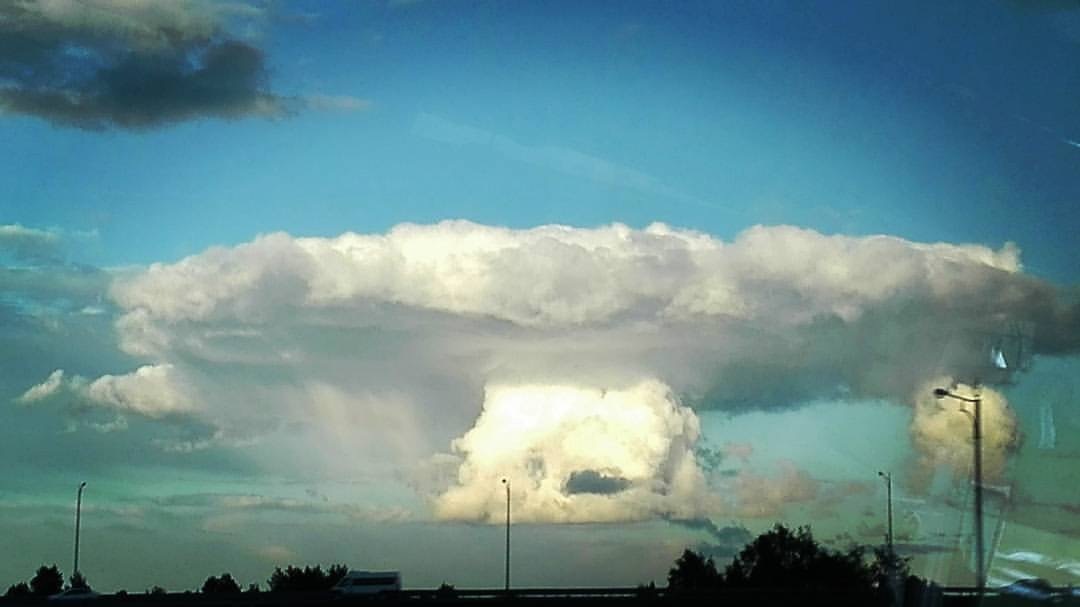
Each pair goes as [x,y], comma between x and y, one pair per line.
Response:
[976,421]
[507,578]
[78,517]
[890,568]
[888,499]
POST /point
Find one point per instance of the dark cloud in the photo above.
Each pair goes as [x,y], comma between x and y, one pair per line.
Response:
[887,350]
[593,481]
[1059,335]
[60,285]
[726,542]
[96,66]
[708,459]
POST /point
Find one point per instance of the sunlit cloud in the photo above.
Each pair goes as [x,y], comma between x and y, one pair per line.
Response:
[942,429]
[152,391]
[578,455]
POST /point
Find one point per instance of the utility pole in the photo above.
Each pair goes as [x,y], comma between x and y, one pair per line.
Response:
[78,516]
[888,497]
[895,589]
[976,430]
[507,578]
[980,566]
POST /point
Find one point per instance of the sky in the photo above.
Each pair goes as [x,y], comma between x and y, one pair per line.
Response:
[302,282]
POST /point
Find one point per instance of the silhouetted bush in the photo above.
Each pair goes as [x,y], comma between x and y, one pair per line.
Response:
[692,571]
[446,591]
[789,560]
[77,580]
[47,580]
[918,592]
[295,579]
[17,590]
[646,591]
[156,591]
[792,559]
[220,585]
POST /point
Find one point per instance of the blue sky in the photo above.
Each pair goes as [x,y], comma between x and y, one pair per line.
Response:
[755,112]
[928,123]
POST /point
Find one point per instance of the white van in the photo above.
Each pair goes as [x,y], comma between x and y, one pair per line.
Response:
[368,582]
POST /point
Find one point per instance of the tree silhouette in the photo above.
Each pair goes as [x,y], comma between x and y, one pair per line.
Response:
[791,560]
[888,563]
[17,590]
[786,558]
[446,591]
[646,591]
[692,571]
[295,579]
[220,585]
[334,573]
[78,581]
[47,580]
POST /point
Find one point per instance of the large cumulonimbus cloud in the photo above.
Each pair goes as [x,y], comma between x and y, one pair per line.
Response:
[133,64]
[572,361]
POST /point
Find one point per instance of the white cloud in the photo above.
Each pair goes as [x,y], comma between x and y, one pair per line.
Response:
[557,276]
[151,391]
[45,389]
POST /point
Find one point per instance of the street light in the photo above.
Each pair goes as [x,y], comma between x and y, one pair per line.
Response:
[78,516]
[891,568]
[507,483]
[888,498]
[976,429]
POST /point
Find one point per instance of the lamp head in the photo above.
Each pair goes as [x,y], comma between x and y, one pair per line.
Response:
[82,484]
[940,392]
[504,481]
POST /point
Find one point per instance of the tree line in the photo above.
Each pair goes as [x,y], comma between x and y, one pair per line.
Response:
[791,559]
[782,558]
[48,580]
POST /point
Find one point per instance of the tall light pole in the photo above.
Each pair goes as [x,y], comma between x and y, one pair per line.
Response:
[78,517]
[888,499]
[891,568]
[976,421]
[507,483]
